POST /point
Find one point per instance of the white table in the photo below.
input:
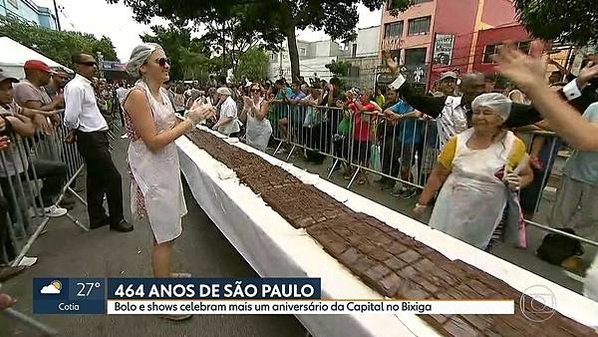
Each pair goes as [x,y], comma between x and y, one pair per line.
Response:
[274,248]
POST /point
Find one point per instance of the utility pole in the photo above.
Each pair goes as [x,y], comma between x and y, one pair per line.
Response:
[100,60]
[57,17]
[280,71]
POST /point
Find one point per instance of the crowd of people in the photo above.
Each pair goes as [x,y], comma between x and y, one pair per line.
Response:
[464,137]
[40,116]
[484,158]
[487,177]
[479,186]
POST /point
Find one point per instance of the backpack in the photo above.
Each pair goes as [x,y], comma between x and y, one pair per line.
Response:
[556,248]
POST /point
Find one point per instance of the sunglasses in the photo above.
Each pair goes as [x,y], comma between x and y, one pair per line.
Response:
[162,61]
[255,90]
[89,64]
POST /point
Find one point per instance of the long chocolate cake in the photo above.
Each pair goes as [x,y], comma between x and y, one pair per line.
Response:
[392,263]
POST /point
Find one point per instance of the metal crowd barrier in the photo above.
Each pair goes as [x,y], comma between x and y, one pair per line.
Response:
[113,118]
[21,186]
[385,149]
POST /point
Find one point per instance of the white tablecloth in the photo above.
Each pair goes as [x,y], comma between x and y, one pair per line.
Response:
[274,248]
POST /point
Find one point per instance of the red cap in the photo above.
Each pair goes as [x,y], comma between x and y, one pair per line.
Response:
[38,65]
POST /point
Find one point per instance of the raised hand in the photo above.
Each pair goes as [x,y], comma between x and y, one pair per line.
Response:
[522,69]
[248,102]
[391,63]
[200,112]
[587,73]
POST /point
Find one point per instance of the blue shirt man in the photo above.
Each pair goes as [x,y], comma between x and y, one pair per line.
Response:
[409,130]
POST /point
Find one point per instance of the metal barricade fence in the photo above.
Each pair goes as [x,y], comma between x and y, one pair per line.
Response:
[29,168]
[35,173]
[404,152]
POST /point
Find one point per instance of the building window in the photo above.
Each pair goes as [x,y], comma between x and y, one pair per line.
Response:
[354,71]
[14,3]
[354,50]
[303,51]
[393,29]
[524,46]
[492,50]
[419,26]
[415,56]
[273,57]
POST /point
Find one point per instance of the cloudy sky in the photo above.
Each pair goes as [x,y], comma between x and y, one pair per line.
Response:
[116,21]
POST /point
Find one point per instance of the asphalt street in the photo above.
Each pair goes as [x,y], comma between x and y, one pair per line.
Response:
[66,251]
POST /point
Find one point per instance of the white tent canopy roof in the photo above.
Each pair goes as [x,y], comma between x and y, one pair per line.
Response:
[14,55]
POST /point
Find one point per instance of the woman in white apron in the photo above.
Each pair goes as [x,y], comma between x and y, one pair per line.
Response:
[156,189]
[255,111]
[475,170]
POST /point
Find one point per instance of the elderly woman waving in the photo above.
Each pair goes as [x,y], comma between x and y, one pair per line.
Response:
[476,173]
[156,189]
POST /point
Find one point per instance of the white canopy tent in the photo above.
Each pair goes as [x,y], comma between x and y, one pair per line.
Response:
[14,55]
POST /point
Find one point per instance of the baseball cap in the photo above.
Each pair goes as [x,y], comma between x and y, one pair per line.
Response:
[224,91]
[4,77]
[61,73]
[448,74]
[38,65]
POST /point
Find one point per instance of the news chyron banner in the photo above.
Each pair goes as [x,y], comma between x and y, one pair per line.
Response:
[221,296]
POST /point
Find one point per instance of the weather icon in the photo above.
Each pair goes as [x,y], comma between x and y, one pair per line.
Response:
[53,288]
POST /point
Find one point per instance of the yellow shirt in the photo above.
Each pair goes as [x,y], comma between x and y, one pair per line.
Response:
[448,153]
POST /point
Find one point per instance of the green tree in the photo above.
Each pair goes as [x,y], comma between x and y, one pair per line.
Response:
[58,46]
[226,37]
[253,65]
[188,55]
[273,20]
[574,21]
[340,68]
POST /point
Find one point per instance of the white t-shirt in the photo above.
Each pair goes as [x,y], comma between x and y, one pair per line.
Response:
[229,109]
[120,94]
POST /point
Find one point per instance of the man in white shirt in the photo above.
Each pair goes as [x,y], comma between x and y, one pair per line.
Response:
[83,117]
[120,92]
[228,123]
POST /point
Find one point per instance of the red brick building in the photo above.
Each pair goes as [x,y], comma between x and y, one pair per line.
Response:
[461,35]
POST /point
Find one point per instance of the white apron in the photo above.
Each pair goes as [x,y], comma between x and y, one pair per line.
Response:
[471,202]
[157,175]
[590,288]
[257,133]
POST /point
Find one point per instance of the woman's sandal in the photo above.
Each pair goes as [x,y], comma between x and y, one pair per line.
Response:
[176,318]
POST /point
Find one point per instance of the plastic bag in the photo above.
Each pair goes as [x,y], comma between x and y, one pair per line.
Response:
[344,127]
[375,163]
[311,117]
